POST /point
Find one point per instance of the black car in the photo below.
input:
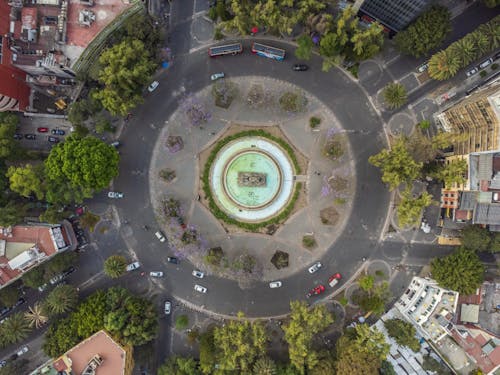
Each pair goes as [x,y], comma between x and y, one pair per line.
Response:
[53,139]
[18,136]
[173,260]
[30,136]
[58,132]
[300,67]
[2,363]
[4,311]
[19,302]
[68,271]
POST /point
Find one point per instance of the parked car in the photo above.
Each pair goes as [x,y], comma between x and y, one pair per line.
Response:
[216,76]
[56,279]
[115,194]
[133,266]
[422,68]
[497,56]
[334,279]
[156,274]
[22,351]
[3,363]
[275,284]
[200,288]
[198,274]
[485,63]
[152,87]
[173,260]
[68,271]
[30,136]
[315,267]
[5,310]
[18,136]
[42,288]
[160,236]
[53,139]
[58,132]
[316,291]
[472,72]
[300,67]
[42,130]
[115,144]
[19,302]
[168,307]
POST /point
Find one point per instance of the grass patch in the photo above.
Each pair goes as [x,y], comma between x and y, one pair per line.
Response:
[309,242]
[181,322]
[340,201]
[314,122]
[343,301]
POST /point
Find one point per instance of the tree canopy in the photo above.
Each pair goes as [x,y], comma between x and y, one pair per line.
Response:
[476,238]
[461,271]
[403,332]
[27,180]
[410,208]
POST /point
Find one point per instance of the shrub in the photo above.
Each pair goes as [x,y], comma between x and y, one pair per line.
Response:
[308,242]
[314,122]
[89,220]
[293,101]
[333,148]
[218,33]
[167,175]
[280,259]
[224,92]
[343,301]
[494,67]
[483,73]
[214,256]
[212,14]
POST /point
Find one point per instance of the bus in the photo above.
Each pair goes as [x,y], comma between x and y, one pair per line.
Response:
[227,49]
[268,51]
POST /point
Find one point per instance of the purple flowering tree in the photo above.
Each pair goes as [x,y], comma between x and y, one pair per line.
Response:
[195,111]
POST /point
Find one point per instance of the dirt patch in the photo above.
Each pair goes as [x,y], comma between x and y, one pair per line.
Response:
[329,216]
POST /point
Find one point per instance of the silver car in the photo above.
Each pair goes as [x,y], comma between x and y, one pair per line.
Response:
[168,307]
[152,87]
[156,274]
[315,267]
[160,236]
[216,76]
[115,194]
[275,284]
[198,274]
[200,288]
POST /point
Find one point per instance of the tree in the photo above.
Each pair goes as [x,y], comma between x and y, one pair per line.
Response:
[410,208]
[427,32]
[61,299]
[367,42]
[61,336]
[395,95]
[60,262]
[239,344]
[452,172]
[179,366]
[464,49]
[125,68]
[366,282]
[330,48]
[241,20]
[492,31]
[403,333]
[305,46]
[12,213]
[387,369]
[36,315]
[19,366]
[9,295]
[495,243]
[90,315]
[115,265]
[207,352]
[264,366]
[35,277]
[15,328]
[54,214]
[461,271]
[27,180]
[304,324]
[396,164]
[475,238]
[481,43]
[9,147]
[443,65]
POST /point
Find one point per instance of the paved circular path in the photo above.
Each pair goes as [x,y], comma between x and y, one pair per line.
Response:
[359,239]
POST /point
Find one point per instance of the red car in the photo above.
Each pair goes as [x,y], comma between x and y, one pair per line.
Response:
[42,130]
[334,279]
[315,291]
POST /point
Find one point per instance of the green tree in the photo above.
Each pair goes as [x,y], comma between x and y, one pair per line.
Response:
[495,243]
[305,46]
[367,42]
[125,68]
[387,369]
[396,164]
[35,277]
[304,324]
[19,366]
[207,352]
[9,147]
[395,95]
[241,21]
[15,328]
[443,65]
[12,213]
[410,208]
[476,238]
[452,172]
[427,32]
[88,163]
[481,43]
[61,336]
[115,265]
[492,31]
[36,315]
[179,366]
[264,366]
[60,263]
[9,295]
[464,49]
[61,299]
[90,315]
[366,282]
[27,180]
[239,344]
[54,214]
[491,3]
[403,333]
[461,271]
[330,48]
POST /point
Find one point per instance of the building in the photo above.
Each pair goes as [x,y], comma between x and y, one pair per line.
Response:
[396,15]
[99,354]
[23,247]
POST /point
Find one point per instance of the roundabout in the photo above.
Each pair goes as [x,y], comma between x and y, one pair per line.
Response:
[260,181]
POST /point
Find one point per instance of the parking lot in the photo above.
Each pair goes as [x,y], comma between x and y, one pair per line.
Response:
[31,126]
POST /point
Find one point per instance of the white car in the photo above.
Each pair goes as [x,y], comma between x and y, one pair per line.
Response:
[198,274]
[471,72]
[485,63]
[115,194]
[133,266]
[56,279]
[152,87]
[156,274]
[275,284]
[160,236]
[216,76]
[23,350]
[200,288]
[422,68]
[316,266]
[168,307]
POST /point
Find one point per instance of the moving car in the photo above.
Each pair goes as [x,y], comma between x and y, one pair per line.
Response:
[200,288]
[315,267]
[198,274]
[42,130]
[133,266]
[173,260]
[53,139]
[485,63]
[316,291]
[472,72]
[58,132]
[275,284]
[23,350]
[334,279]
[30,136]
[216,76]
[115,194]
[160,236]
[168,307]
[300,67]
[152,87]
[156,274]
